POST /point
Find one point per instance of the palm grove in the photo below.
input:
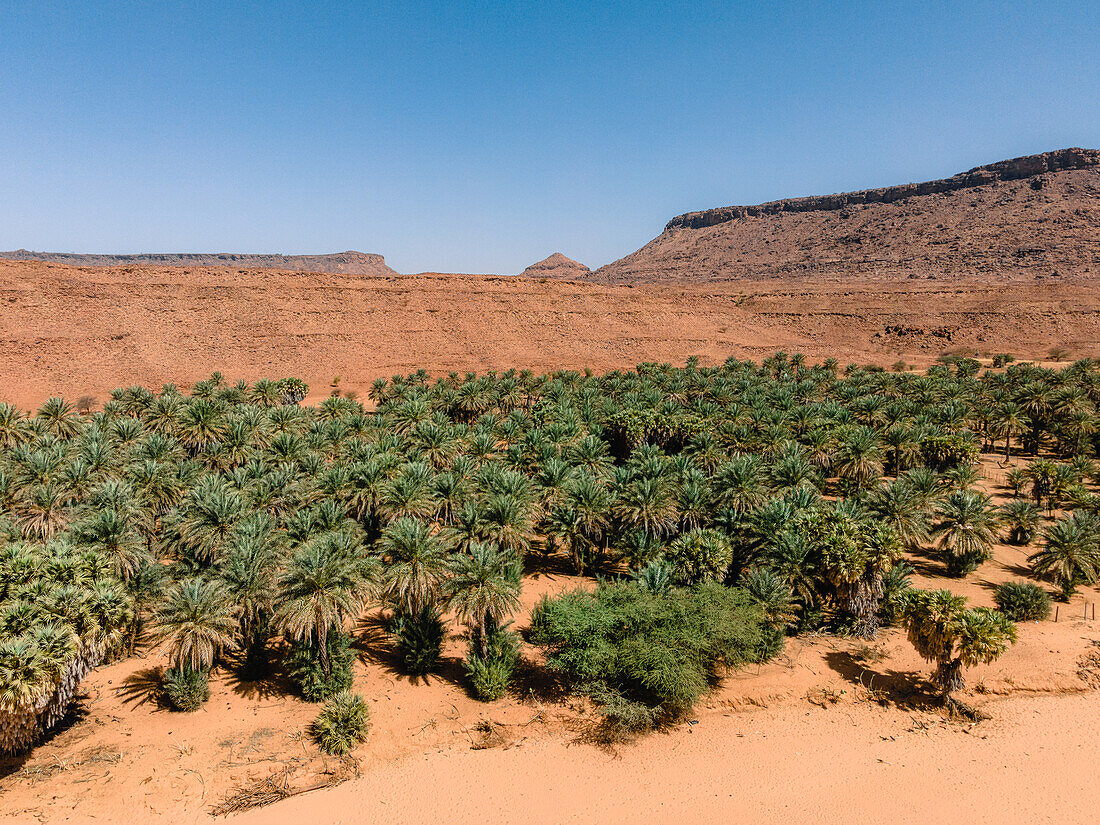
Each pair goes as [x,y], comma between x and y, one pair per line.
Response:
[720,509]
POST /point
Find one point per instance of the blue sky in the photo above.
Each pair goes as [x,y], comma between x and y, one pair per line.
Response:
[480,137]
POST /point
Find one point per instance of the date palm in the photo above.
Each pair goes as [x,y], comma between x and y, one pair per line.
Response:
[196,622]
[900,506]
[646,504]
[415,564]
[1071,552]
[326,585]
[1022,519]
[859,457]
[484,590]
[966,526]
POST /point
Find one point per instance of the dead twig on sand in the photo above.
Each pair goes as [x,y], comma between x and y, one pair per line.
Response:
[277,787]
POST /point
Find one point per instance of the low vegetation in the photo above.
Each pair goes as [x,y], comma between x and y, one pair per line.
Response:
[722,508]
[342,724]
[1022,601]
[646,656]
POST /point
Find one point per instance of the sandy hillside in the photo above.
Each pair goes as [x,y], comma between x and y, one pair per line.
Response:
[833,730]
[83,331]
[1027,218]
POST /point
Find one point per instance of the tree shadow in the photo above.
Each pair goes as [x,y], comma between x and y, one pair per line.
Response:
[539,564]
[274,683]
[903,689]
[533,682]
[142,687]
[1018,570]
[371,640]
[926,562]
[373,643]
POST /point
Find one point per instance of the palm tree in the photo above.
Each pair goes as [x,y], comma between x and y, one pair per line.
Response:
[1008,421]
[646,504]
[60,418]
[789,556]
[326,585]
[415,563]
[249,575]
[859,457]
[207,519]
[944,631]
[114,536]
[196,621]
[966,524]
[1022,519]
[740,484]
[483,590]
[898,505]
[1071,552]
[41,512]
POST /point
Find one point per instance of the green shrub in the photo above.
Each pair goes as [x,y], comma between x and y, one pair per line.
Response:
[491,675]
[698,556]
[342,723]
[307,669]
[185,689]
[645,657]
[1022,601]
[418,640]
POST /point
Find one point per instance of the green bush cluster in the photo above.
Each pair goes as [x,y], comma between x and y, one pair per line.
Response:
[185,689]
[647,657]
[342,724]
[1022,601]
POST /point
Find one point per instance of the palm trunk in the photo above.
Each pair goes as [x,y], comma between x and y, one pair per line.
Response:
[949,677]
[322,638]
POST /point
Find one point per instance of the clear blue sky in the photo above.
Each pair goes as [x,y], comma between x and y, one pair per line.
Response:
[480,137]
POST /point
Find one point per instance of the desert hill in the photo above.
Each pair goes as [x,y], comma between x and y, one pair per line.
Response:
[1030,217]
[557,266]
[347,263]
[81,331]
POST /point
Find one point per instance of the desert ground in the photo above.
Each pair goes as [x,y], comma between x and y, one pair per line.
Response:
[834,728]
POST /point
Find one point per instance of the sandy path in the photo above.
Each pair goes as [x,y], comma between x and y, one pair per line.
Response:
[1035,763]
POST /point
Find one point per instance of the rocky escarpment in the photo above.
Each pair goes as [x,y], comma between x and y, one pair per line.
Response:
[557,266]
[339,263]
[1028,166]
[1030,217]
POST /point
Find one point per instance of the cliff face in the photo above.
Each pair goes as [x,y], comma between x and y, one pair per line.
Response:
[1005,170]
[340,263]
[1037,215]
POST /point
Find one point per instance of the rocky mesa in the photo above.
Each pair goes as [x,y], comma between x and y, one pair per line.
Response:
[1029,217]
[338,263]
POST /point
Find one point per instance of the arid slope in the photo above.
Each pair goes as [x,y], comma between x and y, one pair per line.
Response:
[83,331]
[1026,218]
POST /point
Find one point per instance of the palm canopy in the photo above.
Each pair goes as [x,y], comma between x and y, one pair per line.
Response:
[196,621]
[327,584]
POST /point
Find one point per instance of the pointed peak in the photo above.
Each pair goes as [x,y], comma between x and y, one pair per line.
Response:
[557,266]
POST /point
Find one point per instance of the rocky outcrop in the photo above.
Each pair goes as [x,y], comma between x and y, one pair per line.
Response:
[1005,170]
[340,263]
[557,266]
[1026,218]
